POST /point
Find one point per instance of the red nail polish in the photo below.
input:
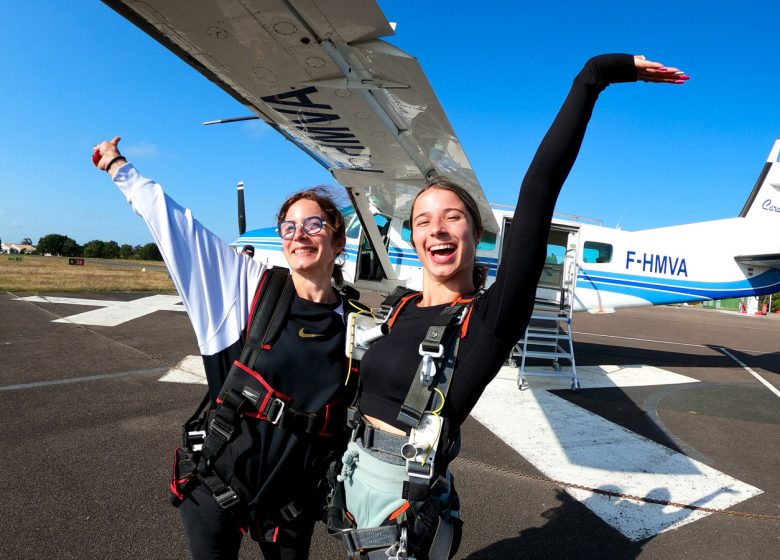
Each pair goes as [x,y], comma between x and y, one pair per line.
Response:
[662,69]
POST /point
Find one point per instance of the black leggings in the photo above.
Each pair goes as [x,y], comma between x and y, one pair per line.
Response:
[214,534]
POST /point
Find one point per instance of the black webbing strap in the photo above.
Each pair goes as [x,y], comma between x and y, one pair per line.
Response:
[222,425]
[395,296]
[378,440]
[438,340]
[428,522]
[359,542]
[195,422]
[273,301]
[442,541]
[224,495]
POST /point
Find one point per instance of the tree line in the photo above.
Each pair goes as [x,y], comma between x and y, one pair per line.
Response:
[64,246]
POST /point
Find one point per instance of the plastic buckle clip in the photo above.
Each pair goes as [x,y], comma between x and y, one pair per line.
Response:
[222,427]
[428,367]
[227,499]
[194,440]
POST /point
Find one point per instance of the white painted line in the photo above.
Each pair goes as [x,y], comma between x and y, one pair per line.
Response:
[98,377]
[69,300]
[112,313]
[189,370]
[661,341]
[567,443]
[640,339]
[600,377]
[751,372]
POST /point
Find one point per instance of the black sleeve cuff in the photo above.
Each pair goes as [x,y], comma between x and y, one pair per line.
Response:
[606,69]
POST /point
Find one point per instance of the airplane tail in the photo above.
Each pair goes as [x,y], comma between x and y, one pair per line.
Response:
[763,210]
[764,201]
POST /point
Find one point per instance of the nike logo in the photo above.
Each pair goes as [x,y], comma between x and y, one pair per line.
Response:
[303,334]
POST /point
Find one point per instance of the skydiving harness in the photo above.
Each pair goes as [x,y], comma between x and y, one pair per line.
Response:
[245,393]
[429,516]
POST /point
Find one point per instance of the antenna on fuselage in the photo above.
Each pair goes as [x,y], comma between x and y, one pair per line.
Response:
[241,214]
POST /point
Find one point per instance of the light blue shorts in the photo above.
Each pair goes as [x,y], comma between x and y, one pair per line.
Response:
[374,490]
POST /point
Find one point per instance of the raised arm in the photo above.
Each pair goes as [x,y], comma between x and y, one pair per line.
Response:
[509,301]
[215,283]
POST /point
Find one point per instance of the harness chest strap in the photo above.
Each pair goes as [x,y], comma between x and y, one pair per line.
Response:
[441,343]
[269,309]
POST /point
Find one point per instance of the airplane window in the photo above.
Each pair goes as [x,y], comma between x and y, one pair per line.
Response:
[406,232]
[552,273]
[353,228]
[598,253]
[488,242]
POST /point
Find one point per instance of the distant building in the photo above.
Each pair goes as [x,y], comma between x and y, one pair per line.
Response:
[16,248]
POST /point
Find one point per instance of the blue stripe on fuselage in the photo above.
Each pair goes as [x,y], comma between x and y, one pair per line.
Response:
[662,290]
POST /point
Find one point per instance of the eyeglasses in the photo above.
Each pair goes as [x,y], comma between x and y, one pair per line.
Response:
[310,226]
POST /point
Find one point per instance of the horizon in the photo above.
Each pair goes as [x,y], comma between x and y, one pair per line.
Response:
[654,155]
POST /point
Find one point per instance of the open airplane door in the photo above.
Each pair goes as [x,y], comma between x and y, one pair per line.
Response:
[316,72]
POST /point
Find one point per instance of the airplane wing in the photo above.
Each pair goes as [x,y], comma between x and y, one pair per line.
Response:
[769,261]
[316,71]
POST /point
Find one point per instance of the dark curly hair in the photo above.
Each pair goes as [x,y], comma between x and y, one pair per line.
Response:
[325,198]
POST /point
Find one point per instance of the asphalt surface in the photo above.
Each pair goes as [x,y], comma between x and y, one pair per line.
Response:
[89,431]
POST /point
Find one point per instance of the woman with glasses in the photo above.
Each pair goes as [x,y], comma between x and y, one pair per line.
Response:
[273,470]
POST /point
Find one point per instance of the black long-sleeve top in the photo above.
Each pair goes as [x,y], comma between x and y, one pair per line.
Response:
[502,313]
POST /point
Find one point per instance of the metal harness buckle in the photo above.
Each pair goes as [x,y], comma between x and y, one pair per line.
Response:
[428,367]
[399,550]
[273,411]
[382,313]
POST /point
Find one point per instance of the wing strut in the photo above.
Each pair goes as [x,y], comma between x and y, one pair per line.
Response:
[363,209]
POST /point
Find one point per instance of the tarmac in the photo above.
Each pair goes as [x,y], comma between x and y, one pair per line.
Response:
[670,449]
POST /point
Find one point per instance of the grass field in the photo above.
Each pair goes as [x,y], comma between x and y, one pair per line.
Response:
[27,273]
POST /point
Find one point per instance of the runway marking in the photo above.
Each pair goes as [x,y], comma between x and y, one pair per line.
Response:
[566,442]
[750,371]
[111,312]
[661,341]
[639,339]
[98,377]
[601,377]
[188,370]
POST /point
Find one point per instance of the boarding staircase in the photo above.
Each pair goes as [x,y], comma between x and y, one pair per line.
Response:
[547,340]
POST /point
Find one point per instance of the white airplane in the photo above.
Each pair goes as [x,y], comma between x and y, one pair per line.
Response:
[604,268]
[317,72]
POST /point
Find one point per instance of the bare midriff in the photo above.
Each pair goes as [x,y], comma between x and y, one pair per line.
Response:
[384,426]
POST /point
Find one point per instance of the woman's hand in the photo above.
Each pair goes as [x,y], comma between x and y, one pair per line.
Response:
[648,71]
[106,155]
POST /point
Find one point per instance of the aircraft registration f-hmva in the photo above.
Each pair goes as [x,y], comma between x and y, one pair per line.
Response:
[317,72]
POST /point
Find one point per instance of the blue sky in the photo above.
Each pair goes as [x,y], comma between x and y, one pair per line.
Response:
[76,72]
